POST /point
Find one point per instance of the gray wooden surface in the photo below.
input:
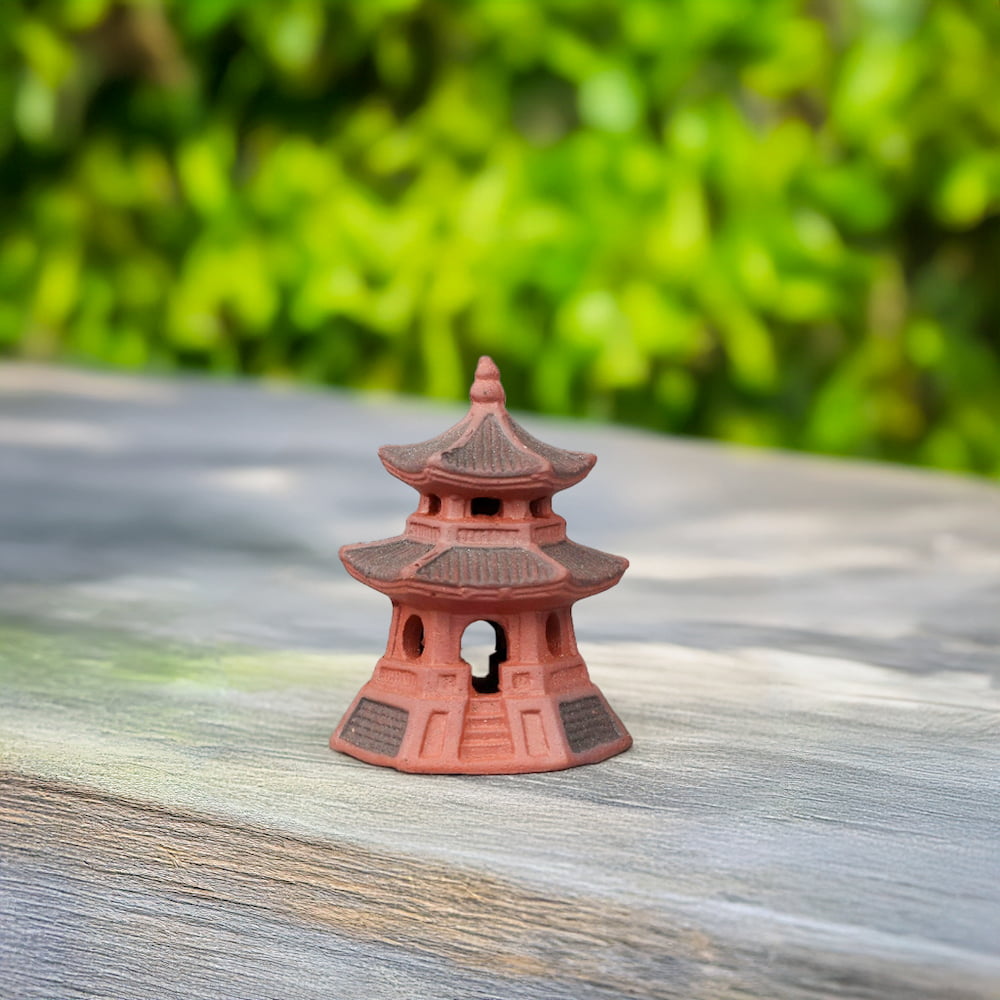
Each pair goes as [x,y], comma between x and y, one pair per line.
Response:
[806,652]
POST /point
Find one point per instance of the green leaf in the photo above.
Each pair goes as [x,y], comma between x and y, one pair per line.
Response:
[611,101]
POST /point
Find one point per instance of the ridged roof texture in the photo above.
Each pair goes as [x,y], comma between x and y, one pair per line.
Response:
[385,561]
[398,560]
[487,445]
[477,566]
[484,452]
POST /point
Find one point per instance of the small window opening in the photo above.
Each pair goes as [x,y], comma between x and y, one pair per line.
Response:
[413,637]
[433,503]
[553,634]
[484,648]
[541,507]
[485,506]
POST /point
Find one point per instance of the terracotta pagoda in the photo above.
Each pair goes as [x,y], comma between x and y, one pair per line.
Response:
[483,545]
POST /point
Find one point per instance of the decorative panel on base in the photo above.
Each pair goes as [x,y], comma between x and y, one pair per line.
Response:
[481,734]
[484,546]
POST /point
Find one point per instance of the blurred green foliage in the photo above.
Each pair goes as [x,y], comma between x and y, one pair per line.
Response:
[770,221]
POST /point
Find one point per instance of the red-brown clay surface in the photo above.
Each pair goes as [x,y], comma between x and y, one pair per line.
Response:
[483,545]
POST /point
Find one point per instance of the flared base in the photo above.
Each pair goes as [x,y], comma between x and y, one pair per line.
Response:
[501,733]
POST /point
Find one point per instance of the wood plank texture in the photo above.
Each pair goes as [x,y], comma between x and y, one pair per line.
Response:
[805,652]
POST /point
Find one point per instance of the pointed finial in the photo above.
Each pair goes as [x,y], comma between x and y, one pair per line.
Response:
[487,387]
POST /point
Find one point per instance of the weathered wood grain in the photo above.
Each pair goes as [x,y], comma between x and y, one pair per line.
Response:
[476,925]
[805,652]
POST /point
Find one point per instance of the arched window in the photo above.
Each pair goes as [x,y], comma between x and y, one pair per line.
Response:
[433,503]
[554,634]
[541,506]
[484,648]
[413,637]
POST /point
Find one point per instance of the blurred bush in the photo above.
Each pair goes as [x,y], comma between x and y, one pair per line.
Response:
[770,221]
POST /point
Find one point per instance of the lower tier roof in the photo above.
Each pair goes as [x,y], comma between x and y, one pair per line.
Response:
[401,560]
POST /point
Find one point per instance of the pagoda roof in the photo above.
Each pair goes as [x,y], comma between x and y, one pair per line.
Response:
[486,447]
[400,561]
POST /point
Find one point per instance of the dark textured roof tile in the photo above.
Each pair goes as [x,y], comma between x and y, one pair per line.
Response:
[497,448]
[587,566]
[490,452]
[475,566]
[385,560]
[565,464]
[414,457]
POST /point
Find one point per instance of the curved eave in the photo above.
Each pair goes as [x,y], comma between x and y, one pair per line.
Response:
[586,567]
[410,459]
[402,566]
[488,450]
[384,562]
[434,479]
[560,592]
[438,595]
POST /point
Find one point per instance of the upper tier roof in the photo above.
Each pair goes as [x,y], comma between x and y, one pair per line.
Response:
[486,447]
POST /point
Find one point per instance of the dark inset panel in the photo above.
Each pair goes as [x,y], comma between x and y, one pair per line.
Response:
[588,723]
[376,727]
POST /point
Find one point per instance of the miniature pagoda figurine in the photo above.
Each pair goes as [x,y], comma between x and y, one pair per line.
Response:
[483,545]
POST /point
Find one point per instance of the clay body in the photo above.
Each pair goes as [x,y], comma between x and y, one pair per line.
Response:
[483,545]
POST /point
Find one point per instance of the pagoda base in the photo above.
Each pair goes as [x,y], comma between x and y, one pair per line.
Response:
[502,733]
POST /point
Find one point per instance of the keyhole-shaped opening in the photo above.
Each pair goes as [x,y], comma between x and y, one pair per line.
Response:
[484,648]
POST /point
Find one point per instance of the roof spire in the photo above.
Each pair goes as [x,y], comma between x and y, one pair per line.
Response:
[487,388]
